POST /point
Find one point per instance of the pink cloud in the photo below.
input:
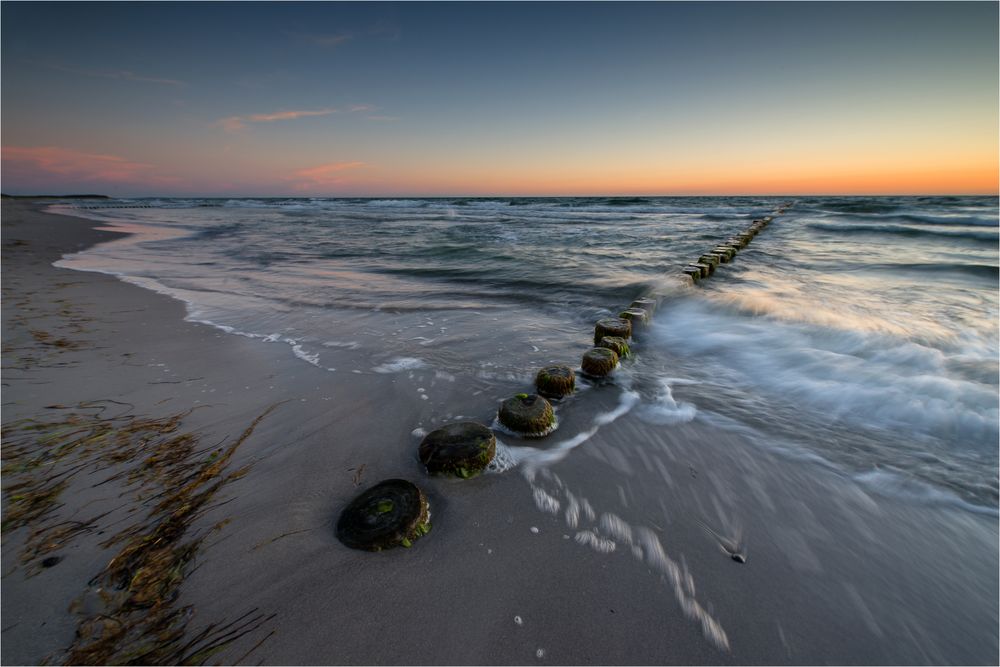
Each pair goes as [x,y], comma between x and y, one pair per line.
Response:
[287,115]
[44,162]
[236,123]
[323,176]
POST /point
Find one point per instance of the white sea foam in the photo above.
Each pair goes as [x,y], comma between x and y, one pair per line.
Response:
[532,459]
[595,542]
[856,376]
[350,344]
[605,535]
[400,364]
[666,410]
[545,502]
[302,354]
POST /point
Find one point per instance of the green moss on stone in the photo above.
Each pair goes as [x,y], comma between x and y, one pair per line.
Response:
[599,362]
[463,449]
[531,416]
[617,344]
[555,381]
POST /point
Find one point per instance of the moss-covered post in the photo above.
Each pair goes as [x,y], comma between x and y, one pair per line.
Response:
[555,381]
[612,326]
[528,415]
[463,449]
[598,362]
[392,513]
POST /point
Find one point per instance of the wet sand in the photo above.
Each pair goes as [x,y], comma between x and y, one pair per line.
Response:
[517,569]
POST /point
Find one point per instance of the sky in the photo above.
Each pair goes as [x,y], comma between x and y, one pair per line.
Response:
[521,99]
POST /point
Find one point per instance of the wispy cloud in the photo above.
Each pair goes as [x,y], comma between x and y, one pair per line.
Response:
[387,29]
[323,176]
[21,163]
[237,123]
[124,75]
[321,40]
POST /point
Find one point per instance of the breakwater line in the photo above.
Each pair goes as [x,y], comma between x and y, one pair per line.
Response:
[381,517]
[724,253]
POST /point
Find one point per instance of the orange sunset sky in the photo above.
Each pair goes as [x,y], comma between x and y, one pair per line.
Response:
[424,99]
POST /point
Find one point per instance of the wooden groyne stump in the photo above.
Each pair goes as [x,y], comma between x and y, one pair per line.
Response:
[612,326]
[735,249]
[637,316]
[598,362]
[706,269]
[727,253]
[645,302]
[555,381]
[693,271]
[528,415]
[618,345]
[463,449]
[710,258]
[392,513]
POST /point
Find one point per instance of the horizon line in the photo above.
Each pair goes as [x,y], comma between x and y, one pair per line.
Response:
[493,196]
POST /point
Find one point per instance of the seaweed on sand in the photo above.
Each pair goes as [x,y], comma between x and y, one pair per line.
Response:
[131,613]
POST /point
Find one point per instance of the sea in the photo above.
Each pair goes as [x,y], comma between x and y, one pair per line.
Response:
[856,333]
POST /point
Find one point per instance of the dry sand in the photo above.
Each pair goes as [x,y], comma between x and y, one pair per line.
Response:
[516,569]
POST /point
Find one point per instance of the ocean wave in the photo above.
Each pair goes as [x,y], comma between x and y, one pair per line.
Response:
[949,220]
[216,231]
[900,485]
[877,382]
[627,201]
[831,326]
[900,230]
[398,203]
[859,206]
[977,270]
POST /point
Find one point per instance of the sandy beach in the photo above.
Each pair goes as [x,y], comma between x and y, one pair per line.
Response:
[198,523]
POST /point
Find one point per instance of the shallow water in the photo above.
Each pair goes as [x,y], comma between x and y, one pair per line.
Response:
[859,333]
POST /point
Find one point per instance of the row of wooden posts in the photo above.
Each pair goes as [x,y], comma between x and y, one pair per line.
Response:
[90,208]
[395,512]
[725,251]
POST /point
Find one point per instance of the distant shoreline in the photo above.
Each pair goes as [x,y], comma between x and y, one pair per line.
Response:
[7,196]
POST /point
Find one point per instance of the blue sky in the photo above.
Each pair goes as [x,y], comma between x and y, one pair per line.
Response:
[499,98]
